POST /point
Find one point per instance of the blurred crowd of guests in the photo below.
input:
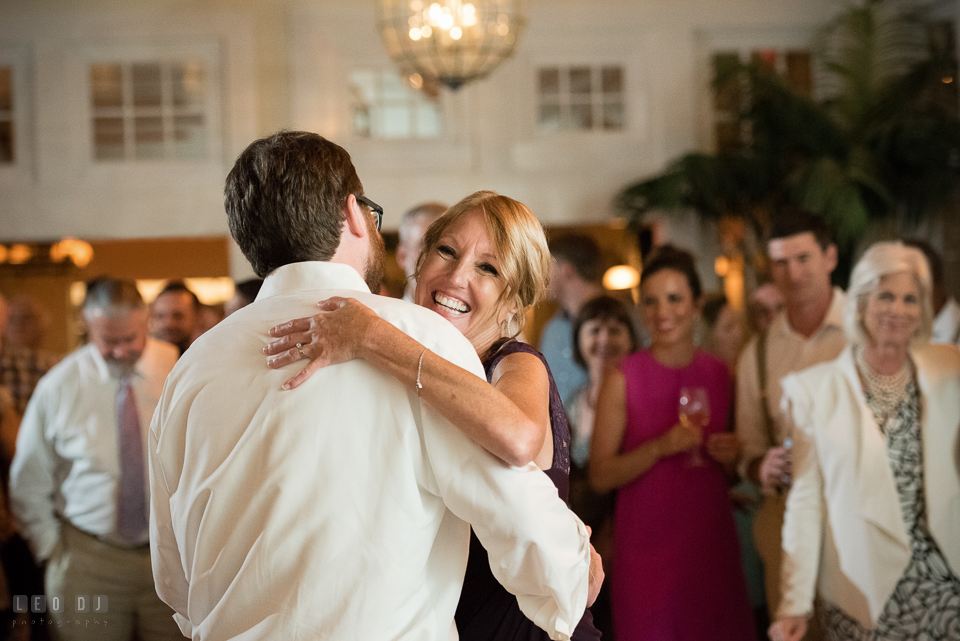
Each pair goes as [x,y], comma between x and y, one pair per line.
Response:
[814,492]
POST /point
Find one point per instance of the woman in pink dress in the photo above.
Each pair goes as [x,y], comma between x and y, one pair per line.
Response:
[676,573]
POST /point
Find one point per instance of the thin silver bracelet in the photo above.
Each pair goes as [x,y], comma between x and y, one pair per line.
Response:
[419,369]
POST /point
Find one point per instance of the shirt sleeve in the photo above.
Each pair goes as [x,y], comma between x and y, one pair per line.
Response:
[749,414]
[538,549]
[168,573]
[32,478]
[803,518]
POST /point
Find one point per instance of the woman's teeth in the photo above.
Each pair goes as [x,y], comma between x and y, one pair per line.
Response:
[450,303]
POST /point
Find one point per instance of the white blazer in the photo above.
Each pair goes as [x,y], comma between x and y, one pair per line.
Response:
[843,531]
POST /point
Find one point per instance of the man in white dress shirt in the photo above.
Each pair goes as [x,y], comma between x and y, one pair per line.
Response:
[809,331]
[78,482]
[340,509]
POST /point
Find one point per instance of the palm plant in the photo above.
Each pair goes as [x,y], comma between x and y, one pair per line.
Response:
[882,142]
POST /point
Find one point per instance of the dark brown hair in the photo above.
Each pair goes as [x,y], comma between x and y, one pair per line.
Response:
[285,199]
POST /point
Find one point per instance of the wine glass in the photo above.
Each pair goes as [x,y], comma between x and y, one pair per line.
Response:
[694,410]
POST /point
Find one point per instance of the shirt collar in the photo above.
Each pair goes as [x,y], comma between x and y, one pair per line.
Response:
[311,276]
[108,372]
[834,317]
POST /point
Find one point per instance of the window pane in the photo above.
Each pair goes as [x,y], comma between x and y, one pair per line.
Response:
[549,80]
[550,118]
[799,75]
[6,89]
[396,121]
[612,79]
[728,136]
[146,85]
[393,88]
[6,142]
[188,84]
[726,97]
[580,80]
[581,117]
[148,137]
[428,121]
[108,138]
[767,57]
[613,116]
[189,137]
[106,86]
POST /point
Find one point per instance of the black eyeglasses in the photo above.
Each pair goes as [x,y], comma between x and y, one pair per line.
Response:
[374,207]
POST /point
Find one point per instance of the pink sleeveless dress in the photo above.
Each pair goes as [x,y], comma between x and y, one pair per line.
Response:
[677,573]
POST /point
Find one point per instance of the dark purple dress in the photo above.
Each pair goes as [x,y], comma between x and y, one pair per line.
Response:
[487,612]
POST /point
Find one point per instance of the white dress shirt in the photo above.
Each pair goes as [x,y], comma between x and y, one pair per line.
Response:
[67,462]
[843,534]
[946,326]
[787,351]
[340,509]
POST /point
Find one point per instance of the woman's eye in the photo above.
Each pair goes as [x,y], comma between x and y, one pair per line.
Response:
[885,296]
[910,299]
[490,269]
[444,250]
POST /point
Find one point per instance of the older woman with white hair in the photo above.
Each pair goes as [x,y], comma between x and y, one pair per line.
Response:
[872,524]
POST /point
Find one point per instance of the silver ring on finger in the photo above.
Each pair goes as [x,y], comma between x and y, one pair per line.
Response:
[300,349]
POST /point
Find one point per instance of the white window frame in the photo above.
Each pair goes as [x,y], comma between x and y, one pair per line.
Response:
[166,111]
[207,51]
[743,42]
[413,101]
[596,96]
[18,59]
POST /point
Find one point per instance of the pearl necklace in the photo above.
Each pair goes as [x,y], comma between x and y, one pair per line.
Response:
[886,392]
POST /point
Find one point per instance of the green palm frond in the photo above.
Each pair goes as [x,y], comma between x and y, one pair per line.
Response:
[882,139]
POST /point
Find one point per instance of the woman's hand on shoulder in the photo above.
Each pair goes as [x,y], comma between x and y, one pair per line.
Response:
[335,335]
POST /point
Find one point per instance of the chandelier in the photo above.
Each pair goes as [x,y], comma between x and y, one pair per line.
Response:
[449,41]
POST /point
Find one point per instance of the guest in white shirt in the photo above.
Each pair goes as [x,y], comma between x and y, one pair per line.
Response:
[946,310]
[341,509]
[809,331]
[872,523]
[78,483]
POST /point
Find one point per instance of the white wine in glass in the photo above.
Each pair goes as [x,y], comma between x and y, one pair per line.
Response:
[694,410]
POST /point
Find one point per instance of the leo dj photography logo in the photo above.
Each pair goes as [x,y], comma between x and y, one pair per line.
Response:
[40,604]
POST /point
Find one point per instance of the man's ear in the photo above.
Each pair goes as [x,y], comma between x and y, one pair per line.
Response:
[832,257]
[356,223]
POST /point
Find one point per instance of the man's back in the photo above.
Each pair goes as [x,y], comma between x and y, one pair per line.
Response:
[322,512]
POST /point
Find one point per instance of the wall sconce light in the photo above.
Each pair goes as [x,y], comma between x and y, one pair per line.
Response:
[79,252]
[19,254]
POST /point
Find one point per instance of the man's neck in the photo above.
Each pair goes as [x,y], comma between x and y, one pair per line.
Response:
[576,293]
[806,319]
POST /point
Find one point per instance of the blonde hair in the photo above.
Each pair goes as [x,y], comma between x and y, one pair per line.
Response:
[518,241]
[883,259]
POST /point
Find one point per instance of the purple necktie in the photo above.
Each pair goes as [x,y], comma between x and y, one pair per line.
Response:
[131,494]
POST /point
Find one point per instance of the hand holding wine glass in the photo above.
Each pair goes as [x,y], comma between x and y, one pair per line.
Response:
[694,411]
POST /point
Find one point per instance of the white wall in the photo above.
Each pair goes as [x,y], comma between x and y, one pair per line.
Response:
[283,63]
